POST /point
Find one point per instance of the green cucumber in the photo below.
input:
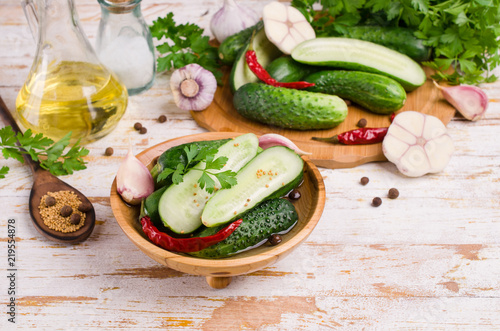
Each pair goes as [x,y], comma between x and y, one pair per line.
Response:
[181,205]
[354,54]
[176,155]
[265,51]
[151,204]
[396,38]
[229,48]
[289,108]
[286,69]
[376,93]
[272,173]
[270,217]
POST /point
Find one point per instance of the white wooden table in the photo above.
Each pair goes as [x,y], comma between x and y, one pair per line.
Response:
[427,260]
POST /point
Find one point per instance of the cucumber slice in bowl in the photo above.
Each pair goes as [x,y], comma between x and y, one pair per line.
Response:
[270,174]
[181,205]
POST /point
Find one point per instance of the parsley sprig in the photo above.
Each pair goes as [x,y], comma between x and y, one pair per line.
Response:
[206,181]
[48,153]
[183,44]
[462,33]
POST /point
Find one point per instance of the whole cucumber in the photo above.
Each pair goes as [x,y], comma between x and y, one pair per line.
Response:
[270,217]
[396,38]
[289,108]
[229,48]
[286,69]
[376,93]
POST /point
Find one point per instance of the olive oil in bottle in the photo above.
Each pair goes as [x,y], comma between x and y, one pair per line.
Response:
[80,97]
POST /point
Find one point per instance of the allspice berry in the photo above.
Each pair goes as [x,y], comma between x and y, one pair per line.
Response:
[364,180]
[137,126]
[109,151]
[393,193]
[162,119]
[50,201]
[75,218]
[362,123]
[376,202]
[143,130]
[85,207]
[66,211]
[274,239]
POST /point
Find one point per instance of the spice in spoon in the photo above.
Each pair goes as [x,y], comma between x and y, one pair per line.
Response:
[60,211]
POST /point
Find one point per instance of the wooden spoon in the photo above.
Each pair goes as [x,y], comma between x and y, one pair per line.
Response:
[43,182]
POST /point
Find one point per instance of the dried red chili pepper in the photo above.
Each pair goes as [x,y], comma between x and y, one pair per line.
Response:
[361,136]
[263,75]
[185,245]
[391,118]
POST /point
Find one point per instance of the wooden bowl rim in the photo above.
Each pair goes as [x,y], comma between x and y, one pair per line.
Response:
[233,261]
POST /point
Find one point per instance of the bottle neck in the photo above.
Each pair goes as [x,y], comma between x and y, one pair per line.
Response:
[120,6]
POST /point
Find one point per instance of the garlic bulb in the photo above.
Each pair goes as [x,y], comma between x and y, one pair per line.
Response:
[231,19]
[133,180]
[417,144]
[193,87]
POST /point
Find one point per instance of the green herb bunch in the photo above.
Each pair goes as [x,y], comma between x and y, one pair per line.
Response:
[462,33]
[183,44]
[194,156]
[48,153]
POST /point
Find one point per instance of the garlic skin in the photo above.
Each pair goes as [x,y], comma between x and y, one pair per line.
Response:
[469,100]
[286,26]
[133,180]
[273,139]
[193,87]
[417,144]
[231,19]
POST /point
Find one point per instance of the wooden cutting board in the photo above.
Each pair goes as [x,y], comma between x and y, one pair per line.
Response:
[222,117]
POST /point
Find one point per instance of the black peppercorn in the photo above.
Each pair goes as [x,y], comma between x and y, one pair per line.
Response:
[274,239]
[66,211]
[50,201]
[294,195]
[137,126]
[109,151]
[364,180]
[393,193]
[376,202]
[362,123]
[75,219]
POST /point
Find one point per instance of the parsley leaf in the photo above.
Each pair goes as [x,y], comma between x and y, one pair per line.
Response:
[183,44]
[43,150]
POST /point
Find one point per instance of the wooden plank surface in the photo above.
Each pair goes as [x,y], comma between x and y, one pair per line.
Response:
[427,260]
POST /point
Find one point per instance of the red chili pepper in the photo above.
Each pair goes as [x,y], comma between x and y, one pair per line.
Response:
[361,136]
[391,118]
[185,245]
[263,75]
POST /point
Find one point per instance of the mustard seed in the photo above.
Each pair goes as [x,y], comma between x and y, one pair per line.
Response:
[75,218]
[376,202]
[51,215]
[162,119]
[50,201]
[109,151]
[137,126]
[66,211]
[393,193]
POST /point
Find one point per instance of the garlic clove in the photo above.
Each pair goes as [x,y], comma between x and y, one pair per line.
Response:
[417,144]
[286,26]
[470,101]
[133,180]
[273,139]
[231,19]
[193,87]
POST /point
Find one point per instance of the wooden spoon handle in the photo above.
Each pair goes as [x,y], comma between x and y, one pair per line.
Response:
[7,117]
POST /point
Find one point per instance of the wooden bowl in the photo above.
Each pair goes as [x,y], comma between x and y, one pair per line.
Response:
[219,271]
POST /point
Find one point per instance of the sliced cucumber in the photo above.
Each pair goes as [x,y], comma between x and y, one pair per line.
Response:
[265,51]
[361,55]
[181,205]
[270,174]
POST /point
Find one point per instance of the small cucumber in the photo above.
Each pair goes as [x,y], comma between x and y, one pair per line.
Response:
[265,51]
[286,69]
[376,93]
[396,38]
[176,155]
[270,217]
[181,205]
[151,204]
[354,54]
[229,48]
[272,173]
[289,108]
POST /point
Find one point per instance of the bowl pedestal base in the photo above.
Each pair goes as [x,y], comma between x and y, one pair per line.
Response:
[219,282]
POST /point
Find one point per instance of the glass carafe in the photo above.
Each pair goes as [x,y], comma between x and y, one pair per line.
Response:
[67,89]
